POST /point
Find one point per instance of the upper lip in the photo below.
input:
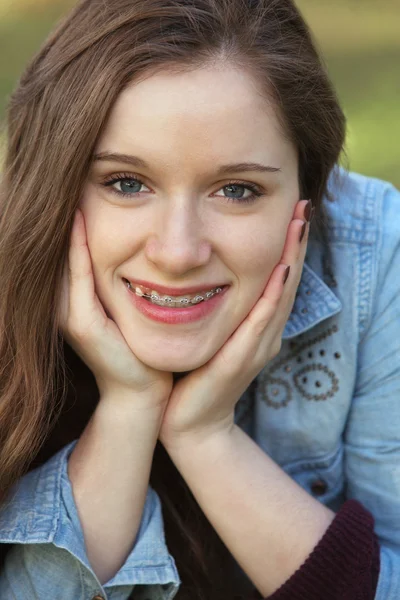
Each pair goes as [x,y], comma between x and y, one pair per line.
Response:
[175,291]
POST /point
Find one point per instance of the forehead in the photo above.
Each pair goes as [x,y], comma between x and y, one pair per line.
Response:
[211,109]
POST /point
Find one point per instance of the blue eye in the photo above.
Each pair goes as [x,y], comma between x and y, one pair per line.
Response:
[130,186]
[237,188]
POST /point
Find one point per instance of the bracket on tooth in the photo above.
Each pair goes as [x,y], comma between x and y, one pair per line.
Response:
[196,300]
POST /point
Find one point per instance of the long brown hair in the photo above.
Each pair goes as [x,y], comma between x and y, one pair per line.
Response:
[54,119]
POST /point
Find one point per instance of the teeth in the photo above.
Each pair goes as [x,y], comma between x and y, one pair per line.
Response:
[172,301]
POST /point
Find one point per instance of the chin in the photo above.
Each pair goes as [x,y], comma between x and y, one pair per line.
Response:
[163,361]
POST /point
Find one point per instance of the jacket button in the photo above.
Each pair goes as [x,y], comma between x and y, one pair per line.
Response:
[319,487]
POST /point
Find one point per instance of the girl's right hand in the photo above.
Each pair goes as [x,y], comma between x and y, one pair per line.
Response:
[96,338]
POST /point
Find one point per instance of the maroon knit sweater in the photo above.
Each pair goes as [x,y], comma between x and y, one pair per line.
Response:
[344,565]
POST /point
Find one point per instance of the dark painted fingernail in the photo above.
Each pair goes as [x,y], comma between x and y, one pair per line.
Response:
[286,275]
[308,211]
[302,232]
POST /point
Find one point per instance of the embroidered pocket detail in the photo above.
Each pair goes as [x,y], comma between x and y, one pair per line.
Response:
[313,380]
[276,392]
[322,378]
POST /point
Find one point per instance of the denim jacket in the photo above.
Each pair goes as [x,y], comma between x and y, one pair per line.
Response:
[326,409]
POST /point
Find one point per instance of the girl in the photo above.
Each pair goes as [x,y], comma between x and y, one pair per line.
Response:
[199,380]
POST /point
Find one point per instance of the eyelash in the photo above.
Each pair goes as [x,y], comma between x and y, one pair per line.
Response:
[255,189]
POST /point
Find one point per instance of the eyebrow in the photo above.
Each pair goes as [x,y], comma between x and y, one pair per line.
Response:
[137,162]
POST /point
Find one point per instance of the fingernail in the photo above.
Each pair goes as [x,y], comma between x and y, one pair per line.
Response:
[302,232]
[308,211]
[286,275]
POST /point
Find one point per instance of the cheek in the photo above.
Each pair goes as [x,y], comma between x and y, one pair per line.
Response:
[258,251]
[106,251]
[101,220]
[108,235]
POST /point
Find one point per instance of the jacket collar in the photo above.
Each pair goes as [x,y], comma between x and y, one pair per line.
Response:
[314,303]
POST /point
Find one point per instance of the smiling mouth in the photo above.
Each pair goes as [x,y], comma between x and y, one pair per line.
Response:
[172,301]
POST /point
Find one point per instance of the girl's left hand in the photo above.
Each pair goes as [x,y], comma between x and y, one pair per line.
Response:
[203,402]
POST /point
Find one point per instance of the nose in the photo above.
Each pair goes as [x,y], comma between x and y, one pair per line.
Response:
[179,242]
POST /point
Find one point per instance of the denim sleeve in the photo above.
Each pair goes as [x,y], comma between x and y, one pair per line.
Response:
[47,557]
[372,435]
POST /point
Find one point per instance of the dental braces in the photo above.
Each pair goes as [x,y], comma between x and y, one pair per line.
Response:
[184,301]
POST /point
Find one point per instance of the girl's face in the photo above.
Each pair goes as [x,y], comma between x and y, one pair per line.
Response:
[193,214]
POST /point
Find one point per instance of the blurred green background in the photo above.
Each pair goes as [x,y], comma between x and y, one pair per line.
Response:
[359,40]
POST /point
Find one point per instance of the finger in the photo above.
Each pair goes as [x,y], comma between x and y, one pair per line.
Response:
[80,266]
[245,340]
[294,254]
[296,238]
[247,336]
[278,294]
[64,298]
[262,313]
[240,350]
[302,216]
[303,210]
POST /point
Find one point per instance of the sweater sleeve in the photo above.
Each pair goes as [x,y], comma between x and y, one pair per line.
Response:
[345,563]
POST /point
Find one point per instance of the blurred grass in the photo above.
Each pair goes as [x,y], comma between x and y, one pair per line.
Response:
[360,42]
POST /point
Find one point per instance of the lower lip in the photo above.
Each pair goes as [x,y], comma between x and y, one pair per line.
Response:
[173,316]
